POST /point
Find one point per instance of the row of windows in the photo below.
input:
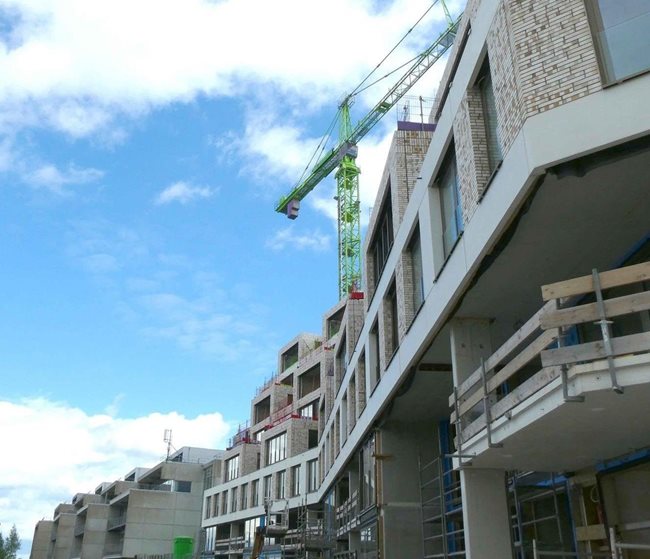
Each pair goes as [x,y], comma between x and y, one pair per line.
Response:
[451,228]
[622,38]
[239,498]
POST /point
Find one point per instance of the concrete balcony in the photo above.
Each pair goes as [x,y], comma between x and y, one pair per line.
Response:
[117,522]
[571,387]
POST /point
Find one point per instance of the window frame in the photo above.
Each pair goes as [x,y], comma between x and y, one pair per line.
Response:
[413,247]
[603,52]
[232,468]
[276,448]
[449,165]
[383,237]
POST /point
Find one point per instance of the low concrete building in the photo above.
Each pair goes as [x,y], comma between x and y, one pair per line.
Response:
[140,516]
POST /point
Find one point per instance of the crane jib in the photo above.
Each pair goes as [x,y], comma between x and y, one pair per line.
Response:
[332,159]
[344,154]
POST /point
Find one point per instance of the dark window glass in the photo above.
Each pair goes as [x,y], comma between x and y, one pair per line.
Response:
[382,241]
[450,208]
[622,32]
[495,155]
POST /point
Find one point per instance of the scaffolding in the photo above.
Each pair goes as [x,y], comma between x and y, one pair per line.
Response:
[443,534]
[536,500]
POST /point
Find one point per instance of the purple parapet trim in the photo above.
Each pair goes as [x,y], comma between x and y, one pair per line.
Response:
[415,126]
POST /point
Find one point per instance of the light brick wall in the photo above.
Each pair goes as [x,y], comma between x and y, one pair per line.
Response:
[401,172]
[556,58]
[505,77]
[471,151]
[541,56]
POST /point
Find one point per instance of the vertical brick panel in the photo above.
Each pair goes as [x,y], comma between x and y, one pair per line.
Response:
[556,58]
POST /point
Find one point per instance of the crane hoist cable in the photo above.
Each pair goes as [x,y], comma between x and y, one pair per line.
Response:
[343,155]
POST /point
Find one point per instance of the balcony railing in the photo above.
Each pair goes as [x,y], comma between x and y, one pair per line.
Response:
[508,377]
[282,415]
[229,545]
[345,555]
[116,522]
[242,436]
[154,486]
[347,515]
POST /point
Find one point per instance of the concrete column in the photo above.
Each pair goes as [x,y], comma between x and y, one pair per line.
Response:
[470,341]
[486,514]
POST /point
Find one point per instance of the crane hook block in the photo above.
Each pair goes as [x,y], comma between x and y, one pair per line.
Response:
[292,208]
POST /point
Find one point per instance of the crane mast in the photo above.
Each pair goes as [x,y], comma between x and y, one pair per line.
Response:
[344,154]
[349,214]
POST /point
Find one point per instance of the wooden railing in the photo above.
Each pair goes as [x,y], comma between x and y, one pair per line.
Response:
[488,394]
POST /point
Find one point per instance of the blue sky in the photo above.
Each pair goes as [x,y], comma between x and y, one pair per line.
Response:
[147,281]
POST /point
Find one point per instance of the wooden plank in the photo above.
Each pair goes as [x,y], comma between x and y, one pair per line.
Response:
[506,349]
[585,284]
[519,361]
[591,532]
[634,343]
[619,306]
[524,391]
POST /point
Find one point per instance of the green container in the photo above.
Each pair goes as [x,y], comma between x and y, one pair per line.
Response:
[183,548]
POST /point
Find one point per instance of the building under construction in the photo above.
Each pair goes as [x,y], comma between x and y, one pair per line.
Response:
[485,395]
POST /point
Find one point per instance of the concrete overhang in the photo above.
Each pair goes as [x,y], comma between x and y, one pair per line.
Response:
[547,433]
[584,214]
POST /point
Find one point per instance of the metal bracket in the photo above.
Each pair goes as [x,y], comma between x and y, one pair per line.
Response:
[459,435]
[486,408]
[606,331]
[565,387]
[564,375]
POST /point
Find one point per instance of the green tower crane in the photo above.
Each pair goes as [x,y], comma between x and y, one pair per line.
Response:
[344,154]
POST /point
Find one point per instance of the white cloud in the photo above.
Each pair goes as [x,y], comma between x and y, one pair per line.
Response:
[58,450]
[183,193]
[76,65]
[50,177]
[287,238]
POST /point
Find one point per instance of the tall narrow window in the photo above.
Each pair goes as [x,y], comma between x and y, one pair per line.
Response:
[450,208]
[234,495]
[312,475]
[267,488]
[280,486]
[621,29]
[392,326]
[232,468]
[373,356]
[417,278]
[244,496]
[255,492]
[295,481]
[488,102]
[276,449]
[382,240]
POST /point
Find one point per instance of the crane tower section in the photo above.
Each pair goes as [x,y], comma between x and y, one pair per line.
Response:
[344,154]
